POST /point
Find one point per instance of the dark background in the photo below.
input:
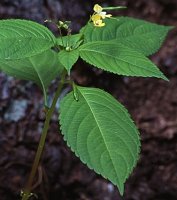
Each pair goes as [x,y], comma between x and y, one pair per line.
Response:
[151,102]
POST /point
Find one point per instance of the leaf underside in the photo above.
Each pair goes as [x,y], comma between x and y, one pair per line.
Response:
[41,69]
[23,38]
[101,133]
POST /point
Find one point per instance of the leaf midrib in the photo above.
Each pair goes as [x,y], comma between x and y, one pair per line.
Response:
[94,51]
[40,78]
[101,134]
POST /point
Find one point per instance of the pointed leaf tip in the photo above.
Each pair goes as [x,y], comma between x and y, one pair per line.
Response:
[119,59]
[68,58]
[101,133]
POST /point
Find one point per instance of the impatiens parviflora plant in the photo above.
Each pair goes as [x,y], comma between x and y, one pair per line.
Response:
[97,128]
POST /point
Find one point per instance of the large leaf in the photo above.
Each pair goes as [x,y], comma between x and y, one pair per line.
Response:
[22,38]
[41,69]
[68,58]
[118,59]
[100,131]
[140,35]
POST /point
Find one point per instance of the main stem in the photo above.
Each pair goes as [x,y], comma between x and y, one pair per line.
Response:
[27,191]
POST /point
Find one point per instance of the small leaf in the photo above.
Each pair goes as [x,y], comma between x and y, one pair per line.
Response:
[119,59]
[41,69]
[101,133]
[22,39]
[140,35]
[68,58]
[72,41]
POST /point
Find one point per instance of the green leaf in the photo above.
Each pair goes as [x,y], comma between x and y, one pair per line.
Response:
[140,35]
[100,131]
[119,59]
[72,41]
[68,58]
[22,38]
[41,69]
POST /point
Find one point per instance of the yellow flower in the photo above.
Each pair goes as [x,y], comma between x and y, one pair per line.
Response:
[97,21]
[99,10]
[95,17]
[98,15]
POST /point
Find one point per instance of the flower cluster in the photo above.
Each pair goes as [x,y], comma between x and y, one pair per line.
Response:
[98,16]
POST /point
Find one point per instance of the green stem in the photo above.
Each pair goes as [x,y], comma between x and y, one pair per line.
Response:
[27,191]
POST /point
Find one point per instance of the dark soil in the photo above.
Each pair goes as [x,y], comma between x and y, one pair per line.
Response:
[152,103]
